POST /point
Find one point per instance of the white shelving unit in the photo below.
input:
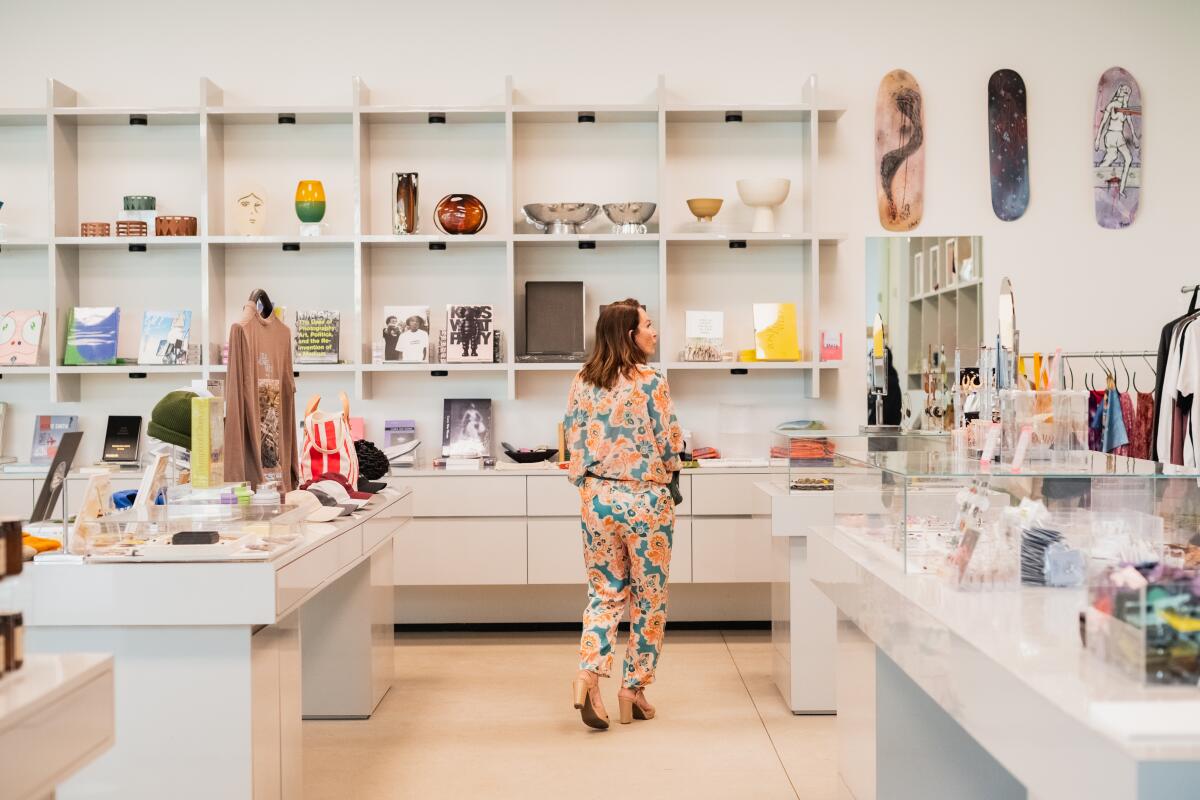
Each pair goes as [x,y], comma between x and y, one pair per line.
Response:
[68,163]
[943,310]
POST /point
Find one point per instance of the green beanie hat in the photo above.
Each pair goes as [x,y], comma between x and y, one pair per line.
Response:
[171,419]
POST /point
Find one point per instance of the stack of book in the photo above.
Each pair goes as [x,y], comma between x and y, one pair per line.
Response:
[400,443]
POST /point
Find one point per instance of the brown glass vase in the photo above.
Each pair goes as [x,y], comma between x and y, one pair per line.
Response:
[460,214]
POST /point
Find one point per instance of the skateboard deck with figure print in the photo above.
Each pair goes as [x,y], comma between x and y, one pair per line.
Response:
[1008,144]
[1117,149]
[899,151]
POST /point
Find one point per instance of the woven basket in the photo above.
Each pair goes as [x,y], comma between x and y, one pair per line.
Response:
[131,227]
[175,226]
[94,229]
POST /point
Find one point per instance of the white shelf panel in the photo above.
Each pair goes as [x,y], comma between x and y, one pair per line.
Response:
[754,238]
[575,238]
[751,365]
[548,366]
[300,368]
[419,115]
[261,241]
[125,369]
[24,371]
[23,244]
[424,367]
[269,115]
[423,240]
[750,114]
[125,241]
[23,116]
[570,113]
[181,115]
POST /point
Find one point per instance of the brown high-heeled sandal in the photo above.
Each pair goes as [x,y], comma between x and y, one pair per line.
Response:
[634,705]
[586,691]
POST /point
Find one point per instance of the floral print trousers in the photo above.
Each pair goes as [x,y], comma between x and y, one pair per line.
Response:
[627,530]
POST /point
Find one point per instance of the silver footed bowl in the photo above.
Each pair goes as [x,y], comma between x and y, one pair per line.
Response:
[560,217]
[629,217]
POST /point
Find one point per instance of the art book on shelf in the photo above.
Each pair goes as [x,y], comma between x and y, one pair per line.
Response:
[318,337]
[92,336]
[470,338]
[705,333]
[466,428]
[406,334]
[497,347]
[400,442]
[165,337]
[20,337]
[47,436]
[775,332]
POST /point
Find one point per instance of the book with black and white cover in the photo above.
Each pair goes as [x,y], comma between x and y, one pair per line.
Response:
[705,335]
[497,347]
[466,428]
[470,334]
[405,334]
[318,337]
[48,432]
[122,440]
[165,337]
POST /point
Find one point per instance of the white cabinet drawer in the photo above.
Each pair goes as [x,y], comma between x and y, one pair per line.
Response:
[350,546]
[731,549]
[297,579]
[681,551]
[461,552]
[556,551]
[728,494]
[16,498]
[466,495]
[552,496]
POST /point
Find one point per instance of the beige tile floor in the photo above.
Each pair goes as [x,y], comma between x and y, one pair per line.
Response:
[489,716]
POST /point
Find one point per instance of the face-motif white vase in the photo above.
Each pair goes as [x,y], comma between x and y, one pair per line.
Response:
[249,213]
[763,195]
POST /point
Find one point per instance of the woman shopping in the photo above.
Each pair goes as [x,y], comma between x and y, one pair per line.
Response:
[624,446]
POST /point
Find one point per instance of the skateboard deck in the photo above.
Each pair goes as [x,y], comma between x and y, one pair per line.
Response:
[1008,144]
[1117,148]
[899,152]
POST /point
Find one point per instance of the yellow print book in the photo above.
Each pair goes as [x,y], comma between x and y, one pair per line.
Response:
[775,332]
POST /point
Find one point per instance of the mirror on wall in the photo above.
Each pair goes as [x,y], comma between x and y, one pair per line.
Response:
[929,291]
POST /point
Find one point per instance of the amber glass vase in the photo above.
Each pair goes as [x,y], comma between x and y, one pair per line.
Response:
[310,201]
[460,214]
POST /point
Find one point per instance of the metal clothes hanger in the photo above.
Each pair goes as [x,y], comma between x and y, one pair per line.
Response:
[263,301]
[1071,372]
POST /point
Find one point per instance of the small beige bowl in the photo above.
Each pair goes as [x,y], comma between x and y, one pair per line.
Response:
[705,208]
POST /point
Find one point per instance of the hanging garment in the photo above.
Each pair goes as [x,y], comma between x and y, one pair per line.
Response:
[1127,416]
[1095,419]
[260,402]
[1114,434]
[1166,400]
[1164,347]
[1143,426]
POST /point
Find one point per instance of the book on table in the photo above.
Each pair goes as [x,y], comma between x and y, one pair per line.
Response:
[48,432]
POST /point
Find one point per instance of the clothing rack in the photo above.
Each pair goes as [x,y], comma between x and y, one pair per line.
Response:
[1189,289]
[1104,354]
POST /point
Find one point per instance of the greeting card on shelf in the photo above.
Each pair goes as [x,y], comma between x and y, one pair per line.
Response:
[831,346]
[705,332]
[406,334]
[20,337]
[165,337]
[318,337]
[775,334]
[470,334]
[92,336]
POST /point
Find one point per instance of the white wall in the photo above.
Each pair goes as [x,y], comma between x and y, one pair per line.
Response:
[1077,285]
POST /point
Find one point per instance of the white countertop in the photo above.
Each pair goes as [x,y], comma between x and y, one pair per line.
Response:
[992,658]
[42,681]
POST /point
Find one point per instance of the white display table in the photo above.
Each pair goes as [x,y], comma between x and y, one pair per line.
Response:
[989,695]
[56,716]
[803,621]
[217,662]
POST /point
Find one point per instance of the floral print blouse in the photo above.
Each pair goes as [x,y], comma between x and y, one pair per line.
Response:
[627,433]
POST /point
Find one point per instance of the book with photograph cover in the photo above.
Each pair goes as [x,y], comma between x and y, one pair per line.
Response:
[165,337]
[466,428]
[705,333]
[47,436]
[92,336]
[20,337]
[471,337]
[318,337]
[406,334]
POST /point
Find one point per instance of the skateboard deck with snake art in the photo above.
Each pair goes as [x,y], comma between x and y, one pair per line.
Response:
[899,151]
[1117,149]
[1008,144]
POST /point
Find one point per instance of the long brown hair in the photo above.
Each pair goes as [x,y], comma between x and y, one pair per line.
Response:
[615,353]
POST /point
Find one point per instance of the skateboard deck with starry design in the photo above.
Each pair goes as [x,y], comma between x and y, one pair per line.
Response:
[899,151]
[1117,149]
[1008,144]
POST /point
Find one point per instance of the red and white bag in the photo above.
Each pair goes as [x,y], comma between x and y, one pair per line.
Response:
[328,445]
